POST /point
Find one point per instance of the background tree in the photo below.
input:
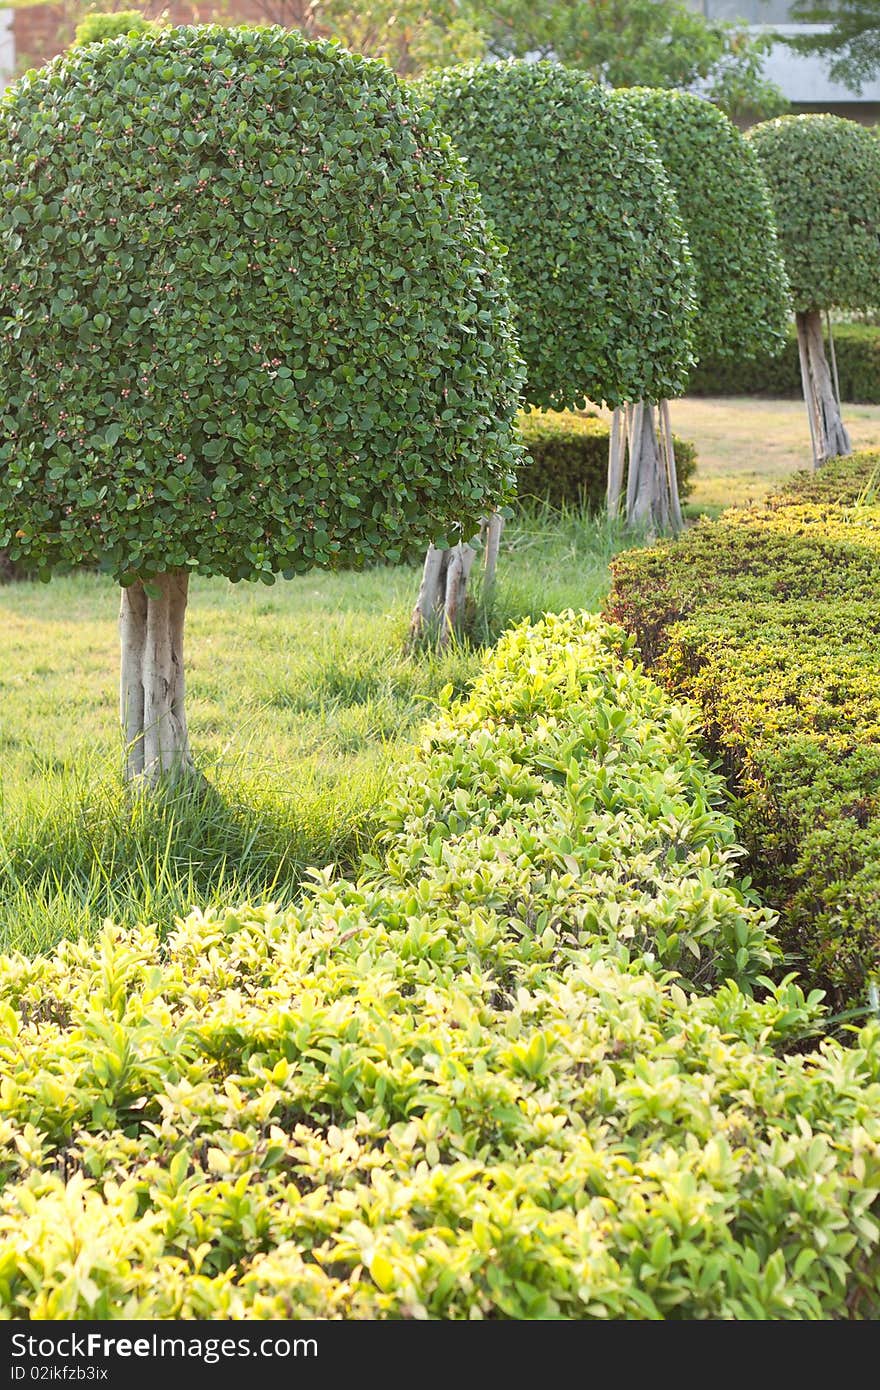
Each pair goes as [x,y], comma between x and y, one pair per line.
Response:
[597,262]
[252,320]
[823,173]
[411,36]
[852,41]
[739,277]
[651,43]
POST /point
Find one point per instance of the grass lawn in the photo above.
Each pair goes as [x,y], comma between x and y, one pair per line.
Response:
[746,445]
[299,698]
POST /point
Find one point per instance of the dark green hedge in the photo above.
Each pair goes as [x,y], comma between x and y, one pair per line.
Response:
[768,619]
[856,345]
[567,459]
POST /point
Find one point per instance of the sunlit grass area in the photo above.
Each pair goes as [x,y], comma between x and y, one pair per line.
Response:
[300,697]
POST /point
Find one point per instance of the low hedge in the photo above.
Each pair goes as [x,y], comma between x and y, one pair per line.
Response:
[567,459]
[768,619]
[468,1085]
[856,346]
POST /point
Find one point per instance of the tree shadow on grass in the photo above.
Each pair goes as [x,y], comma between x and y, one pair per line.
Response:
[72,862]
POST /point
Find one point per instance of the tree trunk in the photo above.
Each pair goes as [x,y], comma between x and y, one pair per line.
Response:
[458,568]
[492,528]
[676,519]
[616,461]
[442,598]
[151,695]
[652,500]
[827,431]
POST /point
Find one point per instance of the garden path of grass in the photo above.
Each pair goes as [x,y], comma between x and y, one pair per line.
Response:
[746,445]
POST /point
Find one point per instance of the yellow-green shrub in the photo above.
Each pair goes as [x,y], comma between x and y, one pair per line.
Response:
[466,1086]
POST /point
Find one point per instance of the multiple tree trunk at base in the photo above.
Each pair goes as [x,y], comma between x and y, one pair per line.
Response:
[827,430]
[652,500]
[440,605]
[151,693]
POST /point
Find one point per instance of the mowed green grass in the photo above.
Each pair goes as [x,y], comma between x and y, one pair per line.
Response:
[746,446]
[300,699]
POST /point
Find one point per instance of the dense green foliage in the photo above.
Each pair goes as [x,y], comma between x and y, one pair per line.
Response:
[598,267]
[768,619]
[856,348]
[739,278]
[467,1086]
[566,459]
[251,316]
[823,173]
[96,27]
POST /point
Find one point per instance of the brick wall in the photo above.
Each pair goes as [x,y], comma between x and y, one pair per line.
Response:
[41,31]
[7,47]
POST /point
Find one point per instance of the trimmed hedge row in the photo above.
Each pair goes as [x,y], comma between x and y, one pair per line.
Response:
[567,459]
[856,345]
[468,1085]
[768,619]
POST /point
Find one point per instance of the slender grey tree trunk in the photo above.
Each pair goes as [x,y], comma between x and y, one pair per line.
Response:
[151,693]
[828,433]
[652,500]
[616,460]
[492,529]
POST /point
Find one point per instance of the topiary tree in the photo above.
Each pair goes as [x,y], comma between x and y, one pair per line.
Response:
[101,25]
[739,277]
[597,263]
[252,320]
[824,178]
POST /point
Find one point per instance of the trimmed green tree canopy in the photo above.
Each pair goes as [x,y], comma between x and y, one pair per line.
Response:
[101,25]
[597,259]
[739,275]
[824,178]
[252,318]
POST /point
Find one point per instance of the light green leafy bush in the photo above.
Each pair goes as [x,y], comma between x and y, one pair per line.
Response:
[101,25]
[462,1087]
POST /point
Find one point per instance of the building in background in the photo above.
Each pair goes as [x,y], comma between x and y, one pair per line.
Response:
[802,77]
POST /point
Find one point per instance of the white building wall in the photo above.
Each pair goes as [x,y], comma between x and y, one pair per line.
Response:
[804,77]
